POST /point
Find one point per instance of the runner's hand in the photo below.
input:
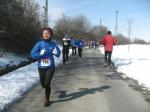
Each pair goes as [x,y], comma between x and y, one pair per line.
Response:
[42,52]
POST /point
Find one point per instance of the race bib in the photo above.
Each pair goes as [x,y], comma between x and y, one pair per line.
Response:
[65,43]
[45,62]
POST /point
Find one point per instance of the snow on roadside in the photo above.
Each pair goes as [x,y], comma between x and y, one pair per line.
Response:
[14,84]
[10,59]
[133,62]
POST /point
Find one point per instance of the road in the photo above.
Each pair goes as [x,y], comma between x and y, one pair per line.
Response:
[84,85]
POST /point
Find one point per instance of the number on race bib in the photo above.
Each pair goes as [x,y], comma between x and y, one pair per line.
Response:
[45,62]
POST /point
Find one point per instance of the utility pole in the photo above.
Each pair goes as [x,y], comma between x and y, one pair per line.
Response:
[100,28]
[130,22]
[100,24]
[46,14]
[116,29]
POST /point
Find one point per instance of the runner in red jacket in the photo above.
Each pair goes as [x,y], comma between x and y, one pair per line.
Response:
[108,41]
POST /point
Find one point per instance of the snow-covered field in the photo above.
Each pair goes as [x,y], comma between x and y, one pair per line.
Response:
[14,84]
[134,62]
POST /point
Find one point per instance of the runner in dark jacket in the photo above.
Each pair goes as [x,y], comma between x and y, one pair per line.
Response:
[65,50]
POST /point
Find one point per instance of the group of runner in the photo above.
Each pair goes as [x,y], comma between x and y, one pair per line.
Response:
[45,50]
[71,42]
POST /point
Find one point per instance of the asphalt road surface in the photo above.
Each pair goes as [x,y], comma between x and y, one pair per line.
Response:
[84,85]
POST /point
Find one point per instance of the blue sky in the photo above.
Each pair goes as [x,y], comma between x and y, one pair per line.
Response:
[94,10]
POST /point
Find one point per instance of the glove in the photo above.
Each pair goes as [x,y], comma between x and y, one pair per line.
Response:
[55,51]
[42,52]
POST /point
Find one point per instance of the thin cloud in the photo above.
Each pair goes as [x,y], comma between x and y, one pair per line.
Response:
[55,12]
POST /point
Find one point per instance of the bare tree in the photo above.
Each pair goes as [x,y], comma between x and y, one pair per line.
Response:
[19,21]
[77,26]
[97,32]
[121,39]
[103,31]
[139,41]
[62,26]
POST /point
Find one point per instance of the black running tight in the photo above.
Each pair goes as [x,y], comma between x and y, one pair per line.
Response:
[46,76]
[108,57]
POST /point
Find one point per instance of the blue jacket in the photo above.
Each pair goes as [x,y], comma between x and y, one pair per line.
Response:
[46,59]
[73,42]
[80,43]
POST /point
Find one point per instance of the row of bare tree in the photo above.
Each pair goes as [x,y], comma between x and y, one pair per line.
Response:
[20,26]
[78,26]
